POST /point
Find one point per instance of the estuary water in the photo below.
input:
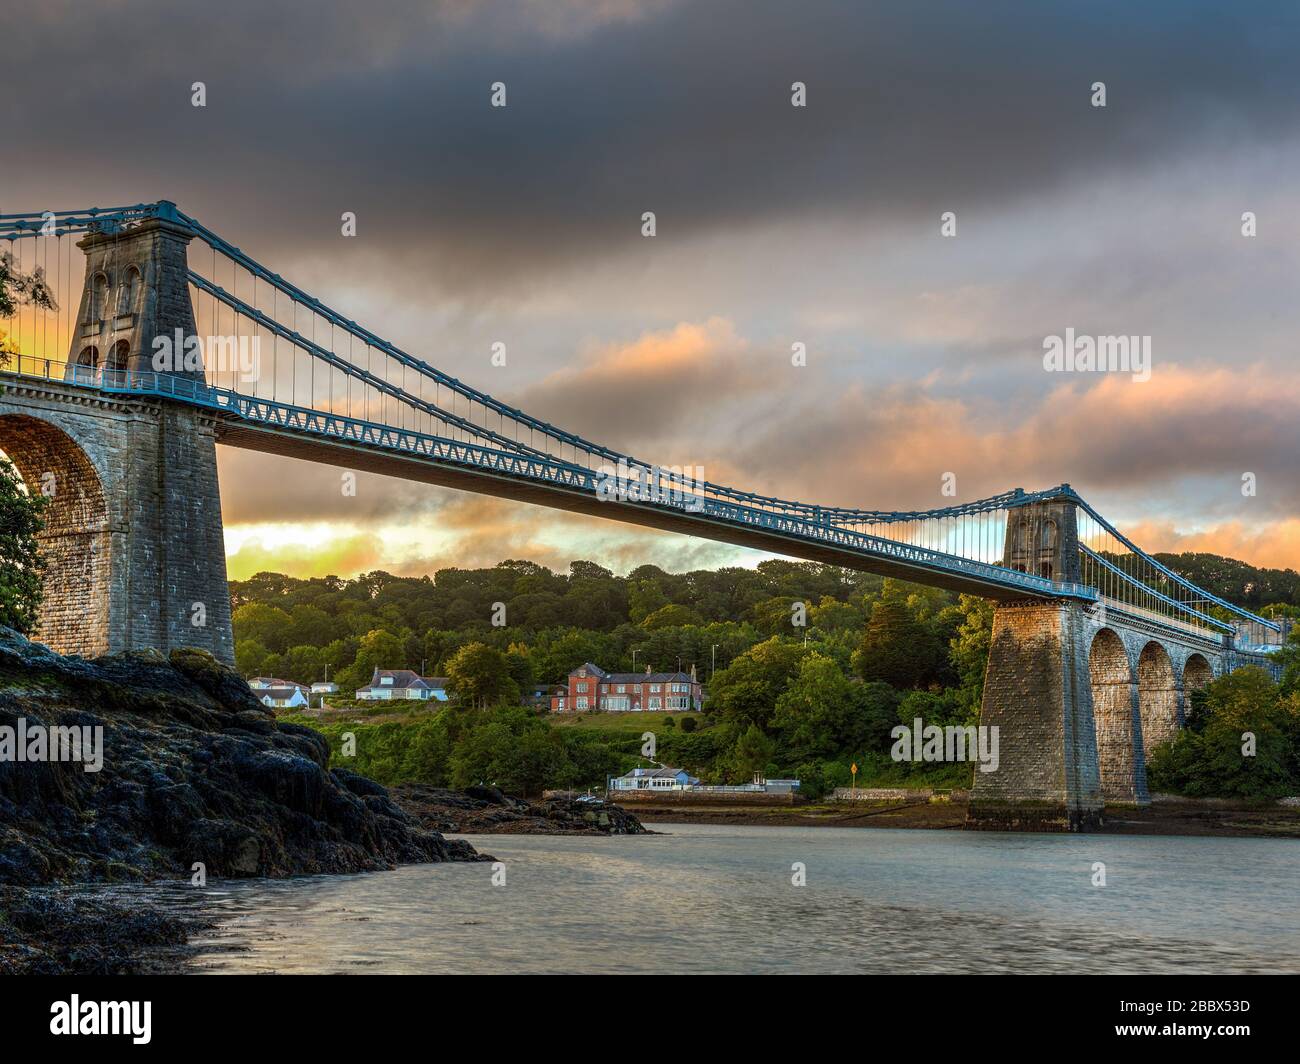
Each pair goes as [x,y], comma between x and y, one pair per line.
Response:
[723,899]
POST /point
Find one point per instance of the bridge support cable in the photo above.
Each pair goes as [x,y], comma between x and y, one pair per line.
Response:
[971,535]
[577,443]
[343,365]
[1132,574]
[1143,589]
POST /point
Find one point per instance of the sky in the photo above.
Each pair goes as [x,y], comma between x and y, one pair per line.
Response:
[776,225]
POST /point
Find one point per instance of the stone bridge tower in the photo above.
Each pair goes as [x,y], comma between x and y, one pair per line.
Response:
[1037,690]
[133,538]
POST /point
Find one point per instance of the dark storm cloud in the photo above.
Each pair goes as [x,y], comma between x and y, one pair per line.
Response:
[681,108]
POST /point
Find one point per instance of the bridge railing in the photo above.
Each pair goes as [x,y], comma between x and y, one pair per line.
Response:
[111,379]
[705,504]
[532,469]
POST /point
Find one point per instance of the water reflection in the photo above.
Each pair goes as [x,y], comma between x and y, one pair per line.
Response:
[714,899]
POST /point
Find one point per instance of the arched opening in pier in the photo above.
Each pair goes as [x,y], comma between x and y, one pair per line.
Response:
[1157,697]
[1119,746]
[75,542]
[1197,674]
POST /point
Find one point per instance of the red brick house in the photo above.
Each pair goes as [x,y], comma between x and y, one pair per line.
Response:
[591,687]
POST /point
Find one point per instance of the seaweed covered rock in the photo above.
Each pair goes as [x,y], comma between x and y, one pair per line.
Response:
[193,769]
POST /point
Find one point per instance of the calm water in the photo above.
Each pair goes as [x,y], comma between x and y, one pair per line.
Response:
[710,899]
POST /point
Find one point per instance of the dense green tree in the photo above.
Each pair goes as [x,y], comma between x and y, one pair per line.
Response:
[479,676]
[268,625]
[969,646]
[644,597]
[378,649]
[21,563]
[671,616]
[1240,742]
[746,691]
[896,648]
[753,751]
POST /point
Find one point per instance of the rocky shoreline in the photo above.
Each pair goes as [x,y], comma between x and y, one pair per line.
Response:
[487,811]
[197,779]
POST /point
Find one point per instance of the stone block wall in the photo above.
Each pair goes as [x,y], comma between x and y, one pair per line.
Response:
[134,537]
[1037,693]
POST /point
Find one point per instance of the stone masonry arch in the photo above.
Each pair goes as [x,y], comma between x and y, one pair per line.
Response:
[76,540]
[1119,729]
[1197,674]
[1158,696]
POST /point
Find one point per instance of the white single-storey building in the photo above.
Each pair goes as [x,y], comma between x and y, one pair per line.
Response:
[653,779]
[282,697]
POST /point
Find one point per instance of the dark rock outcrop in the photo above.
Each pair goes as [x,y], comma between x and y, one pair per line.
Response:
[195,770]
[488,811]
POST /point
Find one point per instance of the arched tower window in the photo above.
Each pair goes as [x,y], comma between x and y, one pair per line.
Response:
[1047,537]
[1022,536]
[98,297]
[128,291]
[86,366]
[115,367]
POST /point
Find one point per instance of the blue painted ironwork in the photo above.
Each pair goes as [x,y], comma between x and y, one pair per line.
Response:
[499,455]
[1147,589]
[1164,570]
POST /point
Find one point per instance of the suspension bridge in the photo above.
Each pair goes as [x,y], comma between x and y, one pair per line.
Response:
[160,340]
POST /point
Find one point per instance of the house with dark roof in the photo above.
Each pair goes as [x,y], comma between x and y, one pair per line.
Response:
[403,683]
[290,697]
[258,683]
[591,687]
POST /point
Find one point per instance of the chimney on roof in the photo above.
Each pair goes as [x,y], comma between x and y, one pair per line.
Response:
[647,670]
[693,674]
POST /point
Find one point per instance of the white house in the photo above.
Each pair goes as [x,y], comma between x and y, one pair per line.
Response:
[282,697]
[403,683]
[653,779]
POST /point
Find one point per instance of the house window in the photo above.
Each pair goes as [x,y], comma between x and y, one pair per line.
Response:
[382,679]
[654,688]
[654,702]
[621,689]
[580,703]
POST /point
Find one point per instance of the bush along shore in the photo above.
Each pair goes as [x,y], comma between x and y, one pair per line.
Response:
[140,768]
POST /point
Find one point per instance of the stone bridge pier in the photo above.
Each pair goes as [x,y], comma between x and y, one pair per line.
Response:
[133,537]
[1080,694]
